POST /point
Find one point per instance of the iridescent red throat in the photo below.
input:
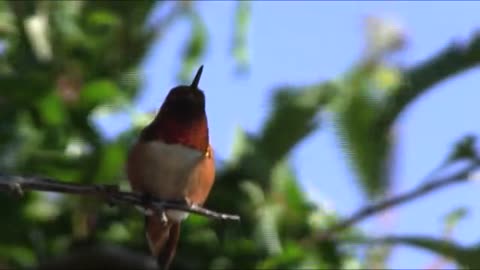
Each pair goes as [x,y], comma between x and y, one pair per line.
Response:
[186,128]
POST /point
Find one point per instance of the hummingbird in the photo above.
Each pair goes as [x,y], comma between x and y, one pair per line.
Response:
[173,160]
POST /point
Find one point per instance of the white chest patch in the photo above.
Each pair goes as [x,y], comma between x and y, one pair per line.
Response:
[166,169]
[175,155]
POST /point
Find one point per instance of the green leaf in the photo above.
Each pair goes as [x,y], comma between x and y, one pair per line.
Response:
[112,159]
[25,138]
[455,216]
[376,257]
[198,221]
[285,187]
[240,46]
[37,29]
[65,22]
[117,232]
[52,110]
[292,119]
[99,91]
[103,18]
[286,193]
[222,263]
[366,146]
[330,253]
[42,208]
[291,254]
[6,20]
[242,145]
[203,236]
[386,78]
[267,228]
[254,192]
[247,159]
[464,149]
[17,253]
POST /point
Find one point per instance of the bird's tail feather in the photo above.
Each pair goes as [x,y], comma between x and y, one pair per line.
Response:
[162,239]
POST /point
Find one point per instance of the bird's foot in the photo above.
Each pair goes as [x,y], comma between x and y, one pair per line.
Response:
[147,207]
[163,218]
[190,204]
[179,214]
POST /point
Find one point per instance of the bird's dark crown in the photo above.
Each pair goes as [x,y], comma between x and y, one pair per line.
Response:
[183,100]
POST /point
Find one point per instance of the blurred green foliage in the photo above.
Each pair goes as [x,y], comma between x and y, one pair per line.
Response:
[66,62]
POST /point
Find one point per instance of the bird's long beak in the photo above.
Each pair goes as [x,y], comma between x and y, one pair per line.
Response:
[196,80]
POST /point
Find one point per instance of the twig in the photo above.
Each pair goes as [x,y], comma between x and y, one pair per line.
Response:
[428,187]
[420,78]
[111,193]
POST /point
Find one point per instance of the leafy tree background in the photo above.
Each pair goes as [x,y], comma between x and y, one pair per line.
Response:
[65,65]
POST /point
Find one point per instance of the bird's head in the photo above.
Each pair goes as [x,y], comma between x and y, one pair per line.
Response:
[185,101]
[182,118]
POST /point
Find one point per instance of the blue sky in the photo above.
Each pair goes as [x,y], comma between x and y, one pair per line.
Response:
[306,42]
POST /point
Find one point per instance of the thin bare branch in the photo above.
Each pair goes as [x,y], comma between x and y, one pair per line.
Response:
[419,79]
[427,187]
[110,193]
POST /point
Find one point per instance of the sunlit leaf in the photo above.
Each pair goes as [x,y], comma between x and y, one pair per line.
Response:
[103,17]
[254,192]
[99,91]
[37,28]
[352,264]
[319,220]
[267,228]
[6,20]
[77,147]
[117,232]
[454,217]
[42,209]
[387,78]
